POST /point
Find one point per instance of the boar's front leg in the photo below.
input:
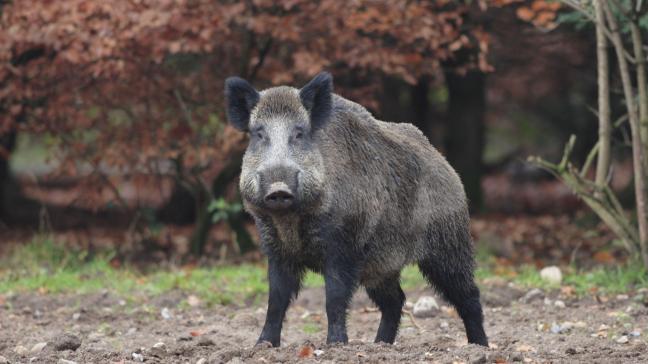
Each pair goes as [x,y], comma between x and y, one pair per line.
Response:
[340,279]
[285,281]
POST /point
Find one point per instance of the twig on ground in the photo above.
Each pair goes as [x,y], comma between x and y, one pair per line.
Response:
[411,317]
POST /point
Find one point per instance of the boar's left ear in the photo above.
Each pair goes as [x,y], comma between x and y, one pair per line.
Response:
[318,99]
[241,98]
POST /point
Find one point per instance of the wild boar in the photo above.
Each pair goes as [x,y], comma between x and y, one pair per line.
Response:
[334,190]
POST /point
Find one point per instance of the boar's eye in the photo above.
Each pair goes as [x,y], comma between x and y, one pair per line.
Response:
[298,133]
[258,133]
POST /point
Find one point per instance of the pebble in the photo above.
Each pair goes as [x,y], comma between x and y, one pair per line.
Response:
[622,297]
[159,349]
[20,350]
[426,306]
[566,326]
[562,328]
[37,348]
[409,305]
[318,352]
[138,357]
[193,301]
[3,360]
[66,342]
[635,333]
[185,337]
[480,360]
[201,361]
[622,340]
[444,324]
[76,316]
[533,295]
[65,361]
[639,297]
[559,304]
[205,341]
[551,274]
[166,313]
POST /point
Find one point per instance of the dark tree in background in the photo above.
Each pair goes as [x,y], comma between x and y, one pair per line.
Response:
[465,129]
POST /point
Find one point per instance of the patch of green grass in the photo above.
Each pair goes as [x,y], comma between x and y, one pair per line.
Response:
[46,266]
[313,280]
[603,280]
[411,278]
[612,280]
[311,328]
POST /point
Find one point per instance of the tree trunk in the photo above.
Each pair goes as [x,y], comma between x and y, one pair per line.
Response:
[421,106]
[603,161]
[637,149]
[640,58]
[465,130]
[7,143]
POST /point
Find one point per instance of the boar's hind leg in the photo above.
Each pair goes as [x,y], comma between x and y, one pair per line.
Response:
[389,298]
[453,277]
[284,286]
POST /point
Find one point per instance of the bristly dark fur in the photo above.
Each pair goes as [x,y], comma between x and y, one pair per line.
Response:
[373,197]
[241,98]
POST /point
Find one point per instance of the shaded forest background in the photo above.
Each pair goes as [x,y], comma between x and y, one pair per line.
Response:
[112,127]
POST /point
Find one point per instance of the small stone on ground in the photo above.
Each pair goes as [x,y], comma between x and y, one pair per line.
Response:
[426,306]
[66,342]
[551,274]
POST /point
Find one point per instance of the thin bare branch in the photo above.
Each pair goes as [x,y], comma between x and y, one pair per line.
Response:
[578,7]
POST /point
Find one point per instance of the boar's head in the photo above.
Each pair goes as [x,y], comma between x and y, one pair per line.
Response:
[282,167]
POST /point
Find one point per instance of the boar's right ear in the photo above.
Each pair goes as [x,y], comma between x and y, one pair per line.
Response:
[241,98]
[317,98]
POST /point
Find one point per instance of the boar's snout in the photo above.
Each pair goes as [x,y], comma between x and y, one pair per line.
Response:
[279,196]
[280,186]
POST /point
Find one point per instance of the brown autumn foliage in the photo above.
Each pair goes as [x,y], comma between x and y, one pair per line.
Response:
[135,85]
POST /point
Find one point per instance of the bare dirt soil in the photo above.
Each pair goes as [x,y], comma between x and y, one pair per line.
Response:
[111,329]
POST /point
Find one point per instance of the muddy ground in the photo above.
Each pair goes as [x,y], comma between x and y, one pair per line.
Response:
[112,329]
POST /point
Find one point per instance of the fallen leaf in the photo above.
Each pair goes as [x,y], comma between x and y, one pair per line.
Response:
[604,257]
[306,351]
[568,290]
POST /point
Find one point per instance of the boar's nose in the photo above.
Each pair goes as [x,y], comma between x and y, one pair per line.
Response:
[279,196]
